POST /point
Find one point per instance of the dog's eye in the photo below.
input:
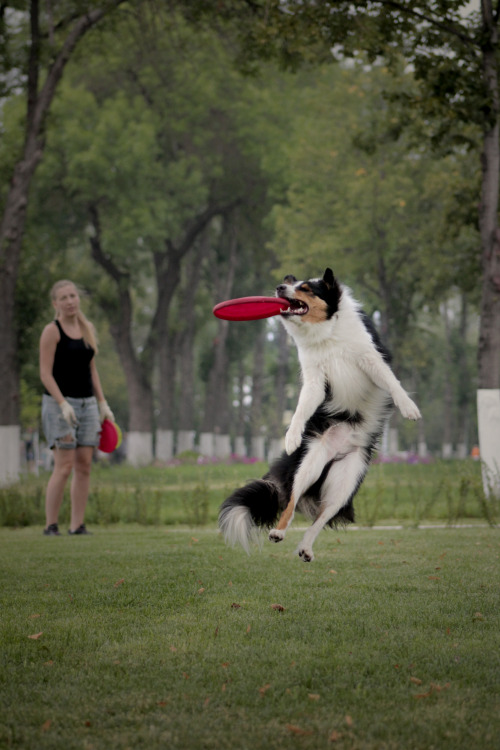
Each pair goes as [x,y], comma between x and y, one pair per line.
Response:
[305,288]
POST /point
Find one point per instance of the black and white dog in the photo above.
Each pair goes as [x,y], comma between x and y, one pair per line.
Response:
[347,395]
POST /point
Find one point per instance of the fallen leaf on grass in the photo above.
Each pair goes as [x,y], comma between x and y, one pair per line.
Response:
[119,583]
[278,607]
[200,591]
[46,725]
[335,736]
[433,578]
[349,721]
[433,689]
[249,627]
[32,617]
[313,697]
[48,663]
[415,680]
[234,605]
[173,649]
[35,636]
[297,730]
[263,690]
[478,616]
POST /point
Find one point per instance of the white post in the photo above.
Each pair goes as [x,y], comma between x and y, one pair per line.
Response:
[185,440]
[207,447]
[258,447]
[139,448]
[164,445]
[10,458]
[488,417]
[222,446]
[276,447]
[240,447]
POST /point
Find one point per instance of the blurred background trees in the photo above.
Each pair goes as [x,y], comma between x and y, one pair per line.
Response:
[173,178]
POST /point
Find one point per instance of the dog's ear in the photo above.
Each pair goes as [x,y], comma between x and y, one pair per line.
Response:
[329,278]
[289,279]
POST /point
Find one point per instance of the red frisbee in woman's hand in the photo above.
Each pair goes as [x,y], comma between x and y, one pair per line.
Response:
[250,308]
[110,436]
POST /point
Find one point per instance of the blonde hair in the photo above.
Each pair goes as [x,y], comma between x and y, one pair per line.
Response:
[88,331]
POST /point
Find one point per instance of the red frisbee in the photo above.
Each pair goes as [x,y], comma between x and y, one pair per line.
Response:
[109,436]
[250,308]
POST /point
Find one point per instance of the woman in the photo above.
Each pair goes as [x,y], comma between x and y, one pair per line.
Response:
[73,405]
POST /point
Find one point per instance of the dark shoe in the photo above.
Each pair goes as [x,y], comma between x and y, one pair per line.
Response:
[52,530]
[80,530]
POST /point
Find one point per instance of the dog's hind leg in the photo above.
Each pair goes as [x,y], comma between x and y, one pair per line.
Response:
[342,482]
[334,443]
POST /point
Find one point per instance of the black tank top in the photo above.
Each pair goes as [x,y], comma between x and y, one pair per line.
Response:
[71,368]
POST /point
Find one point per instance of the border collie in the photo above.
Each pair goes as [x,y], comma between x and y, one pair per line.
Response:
[347,396]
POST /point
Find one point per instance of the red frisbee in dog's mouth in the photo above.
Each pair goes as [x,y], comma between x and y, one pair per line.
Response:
[251,308]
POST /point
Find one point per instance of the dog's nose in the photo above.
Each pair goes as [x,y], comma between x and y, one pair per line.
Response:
[281,289]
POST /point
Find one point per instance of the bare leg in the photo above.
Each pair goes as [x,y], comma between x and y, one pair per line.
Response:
[80,484]
[338,487]
[63,463]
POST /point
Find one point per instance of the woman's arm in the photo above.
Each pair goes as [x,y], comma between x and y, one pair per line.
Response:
[48,344]
[96,381]
[104,410]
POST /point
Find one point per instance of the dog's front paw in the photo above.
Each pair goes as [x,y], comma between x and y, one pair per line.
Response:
[408,408]
[276,535]
[305,554]
[293,439]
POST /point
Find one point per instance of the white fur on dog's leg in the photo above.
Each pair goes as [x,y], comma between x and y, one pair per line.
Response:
[275,535]
[407,407]
[293,439]
[304,553]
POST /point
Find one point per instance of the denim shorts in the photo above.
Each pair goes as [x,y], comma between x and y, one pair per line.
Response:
[85,432]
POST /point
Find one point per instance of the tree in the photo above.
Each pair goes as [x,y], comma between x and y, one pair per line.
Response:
[50,40]
[148,172]
[455,59]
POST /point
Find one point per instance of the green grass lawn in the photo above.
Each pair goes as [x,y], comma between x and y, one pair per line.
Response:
[160,637]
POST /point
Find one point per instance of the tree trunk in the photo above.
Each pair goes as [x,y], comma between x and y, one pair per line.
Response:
[489,329]
[464,387]
[168,275]
[276,427]
[257,434]
[185,338]
[140,398]
[447,444]
[216,413]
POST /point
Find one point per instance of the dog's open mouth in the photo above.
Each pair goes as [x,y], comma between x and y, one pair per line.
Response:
[296,307]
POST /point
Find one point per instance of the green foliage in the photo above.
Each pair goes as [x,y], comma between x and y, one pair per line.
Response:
[357,195]
[152,637]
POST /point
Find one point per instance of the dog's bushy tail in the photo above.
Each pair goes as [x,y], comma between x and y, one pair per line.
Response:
[246,510]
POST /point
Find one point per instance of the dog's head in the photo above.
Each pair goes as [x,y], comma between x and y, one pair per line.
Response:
[312,301]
